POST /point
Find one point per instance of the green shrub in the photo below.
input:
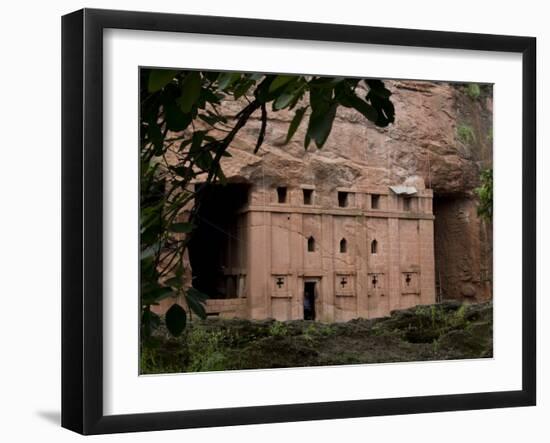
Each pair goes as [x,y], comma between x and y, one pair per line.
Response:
[473,90]
[485,195]
[158,356]
[465,134]
[317,331]
[457,320]
[310,333]
[326,330]
[278,329]
[206,349]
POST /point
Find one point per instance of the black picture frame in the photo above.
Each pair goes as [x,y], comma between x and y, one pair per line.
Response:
[82,218]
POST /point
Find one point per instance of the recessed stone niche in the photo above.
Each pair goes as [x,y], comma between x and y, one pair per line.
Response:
[280,286]
[376,284]
[344,285]
[410,282]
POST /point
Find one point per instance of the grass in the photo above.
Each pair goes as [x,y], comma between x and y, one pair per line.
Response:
[436,332]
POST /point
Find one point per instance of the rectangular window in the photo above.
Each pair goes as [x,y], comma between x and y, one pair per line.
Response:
[308,196]
[374,201]
[342,199]
[281,194]
[407,204]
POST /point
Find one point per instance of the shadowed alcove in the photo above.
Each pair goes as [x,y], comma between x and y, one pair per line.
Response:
[215,249]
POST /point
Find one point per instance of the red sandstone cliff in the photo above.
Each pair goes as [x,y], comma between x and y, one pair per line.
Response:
[441,133]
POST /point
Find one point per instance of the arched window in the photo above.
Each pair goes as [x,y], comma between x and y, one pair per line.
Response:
[343,246]
[374,247]
[311,244]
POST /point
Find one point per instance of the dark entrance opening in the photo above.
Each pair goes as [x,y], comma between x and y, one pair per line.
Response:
[309,300]
[215,242]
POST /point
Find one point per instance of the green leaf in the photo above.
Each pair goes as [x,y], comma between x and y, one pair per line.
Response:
[176,319]
[159,78]
[204,160]
[289,96]
[209,96]
[362,106]
[211,75]
[226,79]
[184,172]
[320,125]
[326,82]
[182,227]
[280,81]
[220,174]
[283,100]
[384,109]
[155,136]
[198,295]
[195,300]
[196,143]
[150,250]
[176,120]
[378,88]
[190,91]
[155,294]
[320,100]
[295,123]
[212,120]
[307,141]
[149,322]
[242,88]
[262,93]
[174,282]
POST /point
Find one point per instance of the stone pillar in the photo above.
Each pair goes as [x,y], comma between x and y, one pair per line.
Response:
[296,265]
[259,265]
[362,251]
[394,264]
[327,296]
[427,262]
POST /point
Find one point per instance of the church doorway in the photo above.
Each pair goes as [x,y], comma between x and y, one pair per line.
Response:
[309,300]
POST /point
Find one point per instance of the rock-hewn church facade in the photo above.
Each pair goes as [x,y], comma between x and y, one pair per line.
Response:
[296,253]
[348,230]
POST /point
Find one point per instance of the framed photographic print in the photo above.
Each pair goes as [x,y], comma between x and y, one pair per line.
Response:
[269,221]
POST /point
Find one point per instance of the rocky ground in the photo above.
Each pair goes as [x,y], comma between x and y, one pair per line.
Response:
[445,331]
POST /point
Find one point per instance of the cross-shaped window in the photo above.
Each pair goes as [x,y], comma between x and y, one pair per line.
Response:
[408,279]
[343,282]
[374,281]
[280,282]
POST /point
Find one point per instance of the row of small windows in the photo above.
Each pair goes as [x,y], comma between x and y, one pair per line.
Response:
[306,193]
[343,200]
[343,245]
[343,197]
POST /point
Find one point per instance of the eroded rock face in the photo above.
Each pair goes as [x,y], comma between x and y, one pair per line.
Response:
[423,141]
[441,135]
